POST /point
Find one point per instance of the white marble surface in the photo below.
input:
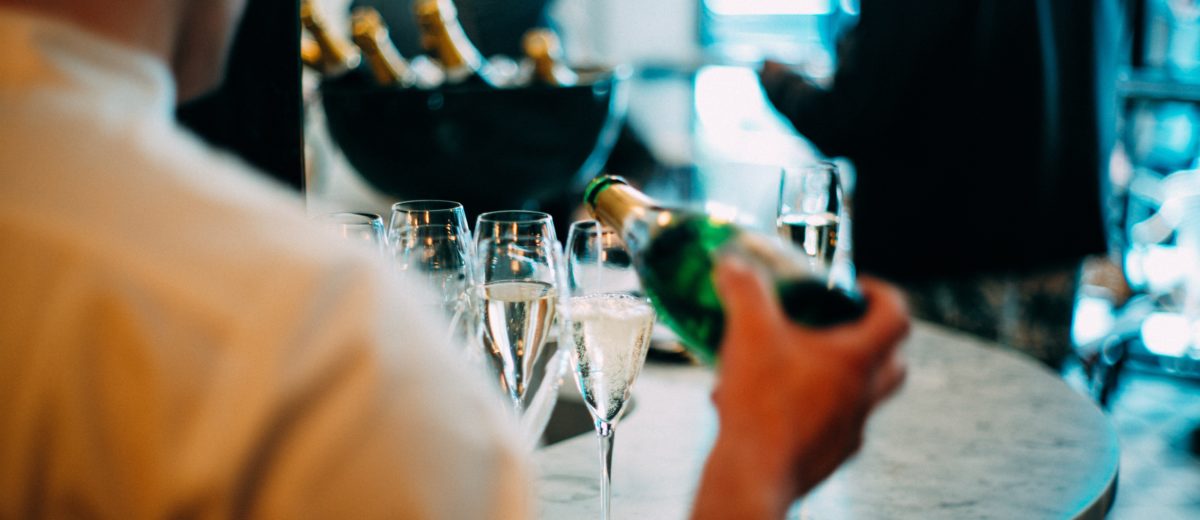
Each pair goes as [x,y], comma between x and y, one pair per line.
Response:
[977,432]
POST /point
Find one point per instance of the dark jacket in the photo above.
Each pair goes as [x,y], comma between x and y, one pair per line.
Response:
[980,131]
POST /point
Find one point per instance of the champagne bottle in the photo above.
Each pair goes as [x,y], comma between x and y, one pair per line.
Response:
[370,34]
[444,38]
[337,56]
[675,253]
[310,54]
[545,51]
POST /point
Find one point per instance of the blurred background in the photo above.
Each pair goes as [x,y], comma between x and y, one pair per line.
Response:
[687,107]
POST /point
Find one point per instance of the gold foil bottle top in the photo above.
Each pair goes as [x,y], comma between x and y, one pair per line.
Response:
[370,34]
[336,55]
[611,200]
[444,38]
[310,54]
[543,47]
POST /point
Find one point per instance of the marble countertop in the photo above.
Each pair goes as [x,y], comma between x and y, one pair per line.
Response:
[977,432]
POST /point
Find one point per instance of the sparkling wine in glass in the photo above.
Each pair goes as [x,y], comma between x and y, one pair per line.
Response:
[811,213]
[609,324]
[518,271]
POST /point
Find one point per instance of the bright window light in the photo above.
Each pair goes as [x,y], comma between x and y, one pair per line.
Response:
[722,212]
[1093,320]
[1166,334]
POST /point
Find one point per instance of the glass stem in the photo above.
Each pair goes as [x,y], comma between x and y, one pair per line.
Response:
[518,405]
[606,434]
[455,319]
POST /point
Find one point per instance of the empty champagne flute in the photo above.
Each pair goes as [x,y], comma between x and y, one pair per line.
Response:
[609,324]
[811,213]
[518,271]
[357,227]
[430,242]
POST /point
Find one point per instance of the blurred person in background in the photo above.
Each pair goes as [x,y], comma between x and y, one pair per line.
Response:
[980,131]
[177,339]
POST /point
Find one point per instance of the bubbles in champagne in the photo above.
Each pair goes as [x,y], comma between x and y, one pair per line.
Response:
[610,335]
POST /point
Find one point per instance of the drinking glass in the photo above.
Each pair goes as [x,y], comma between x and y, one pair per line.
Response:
[812,216]
[357,227]
[609,325]
[430,242]
[518,272]
[810,204]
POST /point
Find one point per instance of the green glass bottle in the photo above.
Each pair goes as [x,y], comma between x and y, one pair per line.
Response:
[675,252]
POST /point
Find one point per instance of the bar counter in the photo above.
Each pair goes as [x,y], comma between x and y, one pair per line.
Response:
[977,432]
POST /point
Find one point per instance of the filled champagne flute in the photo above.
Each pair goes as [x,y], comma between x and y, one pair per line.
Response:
[609,324]
[518,271]
[431,243]
[811,211]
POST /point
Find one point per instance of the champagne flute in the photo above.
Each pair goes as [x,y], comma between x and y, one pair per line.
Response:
[357,227]
[609,328]
[430,242]
[811,213]
[518,271]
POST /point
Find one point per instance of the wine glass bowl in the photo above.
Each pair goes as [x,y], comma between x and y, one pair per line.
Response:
[516,245]
[430,242]
[354,226]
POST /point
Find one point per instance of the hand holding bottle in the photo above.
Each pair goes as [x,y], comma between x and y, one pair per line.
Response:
[675,252]
[792,401]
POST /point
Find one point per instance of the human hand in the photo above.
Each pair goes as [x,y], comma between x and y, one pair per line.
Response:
[792,401]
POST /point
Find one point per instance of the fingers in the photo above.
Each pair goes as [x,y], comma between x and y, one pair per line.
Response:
[885,324]
[750,305]
[888,379]
[887,313]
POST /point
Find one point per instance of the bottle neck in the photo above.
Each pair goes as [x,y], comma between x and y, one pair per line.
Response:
[336,56]
[386,64]
[545,51]
[445,38]
[454,51]
[634,215]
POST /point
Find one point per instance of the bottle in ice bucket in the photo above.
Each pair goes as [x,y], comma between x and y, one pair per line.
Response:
[370,34]
[543,48]
[331,56]
[444,38]
[675,252]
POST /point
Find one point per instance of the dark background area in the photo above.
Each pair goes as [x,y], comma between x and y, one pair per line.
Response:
[257,113]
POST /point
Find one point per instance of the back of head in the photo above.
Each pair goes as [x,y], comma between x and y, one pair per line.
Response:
[191,36]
